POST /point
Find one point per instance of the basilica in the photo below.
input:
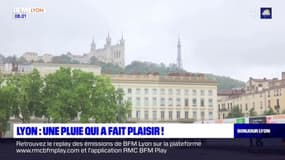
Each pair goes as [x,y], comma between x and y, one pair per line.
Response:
[114,54]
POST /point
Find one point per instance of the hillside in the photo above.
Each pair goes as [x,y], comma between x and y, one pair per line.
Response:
[149,67]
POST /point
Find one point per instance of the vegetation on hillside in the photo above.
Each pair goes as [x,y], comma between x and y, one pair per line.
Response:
[136,67]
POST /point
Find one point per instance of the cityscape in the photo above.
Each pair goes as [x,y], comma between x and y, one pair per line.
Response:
[176,97]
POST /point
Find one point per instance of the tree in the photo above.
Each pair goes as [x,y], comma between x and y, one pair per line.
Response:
[124,107]
[270,111]
[10,59]
[59,97]
[235,113]
[22,60]
[27,95]
[68,93]
[107,104]
[94,60]
[6,101]
[83,85]
[252,112]
[63,59]
[111,69]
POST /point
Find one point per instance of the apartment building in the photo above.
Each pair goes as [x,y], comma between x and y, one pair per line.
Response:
[261,95]
[168,98]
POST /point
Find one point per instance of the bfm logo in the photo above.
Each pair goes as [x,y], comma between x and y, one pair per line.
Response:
[22,13]
[266,13]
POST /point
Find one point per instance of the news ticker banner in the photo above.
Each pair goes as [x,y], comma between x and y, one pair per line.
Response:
[148,130]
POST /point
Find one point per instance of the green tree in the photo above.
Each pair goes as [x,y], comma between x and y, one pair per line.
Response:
[111,69]
[124,107]
[270,111]
[62,59]
[252,112]
[107,104]
[27,95]
[94,60]
[59,96]
[6,102]
[235,113]
[68,93]
[83,85]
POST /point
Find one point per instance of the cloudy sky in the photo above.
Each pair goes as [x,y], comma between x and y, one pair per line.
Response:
[224,37]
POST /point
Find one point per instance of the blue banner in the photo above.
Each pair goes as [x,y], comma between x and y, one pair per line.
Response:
[259,130]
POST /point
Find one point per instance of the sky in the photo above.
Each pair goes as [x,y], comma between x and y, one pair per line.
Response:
[223,37]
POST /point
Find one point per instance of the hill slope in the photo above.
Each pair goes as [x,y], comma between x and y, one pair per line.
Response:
[150,67]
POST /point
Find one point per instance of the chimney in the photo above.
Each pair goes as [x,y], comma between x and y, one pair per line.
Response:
[283,75]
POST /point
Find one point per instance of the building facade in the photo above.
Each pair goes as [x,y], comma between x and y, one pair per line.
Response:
[260,95]
[114,54]
[168,98]
[34,57]
[31,56]
[47,68]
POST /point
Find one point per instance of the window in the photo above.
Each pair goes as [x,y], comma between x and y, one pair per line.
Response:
[211,116]
[194,92]
[210,102]
[146,102]
[194,115]
[170,115]
[154,115]
[170,92]
[129,115]
[246,107]
[162,115]
[186,92]
[130,99]
[177,115]
[162,102]
[138,101]
[154,91]
[146,91]
[202,115]
[269,103]
[178,102]
[202,92]
[186,102]
[186,115]
[261,105]
[129,91]
[202,103]
[138,91]
[145,115]
[154,101]
[170,102]
[210,92]
[194,102]
[177,91]
[138,115]
[162,91]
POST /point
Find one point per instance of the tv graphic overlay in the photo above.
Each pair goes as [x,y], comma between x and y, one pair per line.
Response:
[266,13]
[24,13]
[142,79]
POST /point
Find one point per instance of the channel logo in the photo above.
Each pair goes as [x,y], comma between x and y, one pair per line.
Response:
[266,13]
[22,13]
